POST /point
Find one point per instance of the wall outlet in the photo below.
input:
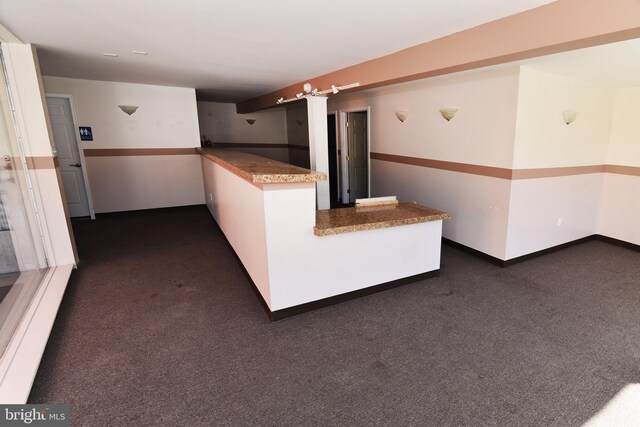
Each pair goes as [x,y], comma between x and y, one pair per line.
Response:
[559,221]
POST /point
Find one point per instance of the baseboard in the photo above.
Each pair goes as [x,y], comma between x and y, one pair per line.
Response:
[618,242]
[349,296]
[325,302]
[506,263]
[474,252]
[536,254]
[142,211]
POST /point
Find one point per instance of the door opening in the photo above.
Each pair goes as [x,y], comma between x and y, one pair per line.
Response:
[70,156]
[334,153]
[356,159]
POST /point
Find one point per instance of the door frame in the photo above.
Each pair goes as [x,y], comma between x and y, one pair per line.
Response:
[344,150]
[83,162]
[336,114]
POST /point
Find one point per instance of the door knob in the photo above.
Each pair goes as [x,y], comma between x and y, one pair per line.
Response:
[78,165]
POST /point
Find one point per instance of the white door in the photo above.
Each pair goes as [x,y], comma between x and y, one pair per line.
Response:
[64,136]
[358,161]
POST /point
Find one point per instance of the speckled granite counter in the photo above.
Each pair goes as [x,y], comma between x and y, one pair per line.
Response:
[260,170]
[335,221]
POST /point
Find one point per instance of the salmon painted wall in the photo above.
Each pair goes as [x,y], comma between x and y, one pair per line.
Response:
[267,137]
[121,179]
[481,134]
[621,194]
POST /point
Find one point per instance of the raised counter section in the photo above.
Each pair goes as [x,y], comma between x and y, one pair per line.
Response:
[267,211]
[335,221]
[260,170]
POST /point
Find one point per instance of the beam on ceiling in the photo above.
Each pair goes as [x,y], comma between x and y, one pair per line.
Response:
[553,28]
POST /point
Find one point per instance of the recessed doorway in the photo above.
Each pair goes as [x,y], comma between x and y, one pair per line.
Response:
[354,158]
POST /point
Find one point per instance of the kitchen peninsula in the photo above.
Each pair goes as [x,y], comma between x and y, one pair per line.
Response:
[300,259]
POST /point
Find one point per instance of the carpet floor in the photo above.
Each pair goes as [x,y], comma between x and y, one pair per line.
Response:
[160,326]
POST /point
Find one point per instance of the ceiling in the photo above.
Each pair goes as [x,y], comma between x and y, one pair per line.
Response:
[231,50]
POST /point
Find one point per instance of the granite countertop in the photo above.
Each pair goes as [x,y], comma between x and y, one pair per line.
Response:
[335,221]
[260,170]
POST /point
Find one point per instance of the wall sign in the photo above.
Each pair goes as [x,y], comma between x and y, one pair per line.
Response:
[85,133]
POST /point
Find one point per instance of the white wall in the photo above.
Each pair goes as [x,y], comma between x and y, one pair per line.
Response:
[543,139]
[545,212]
[166,118]
[621,194]
[624,147]
[482,133]
[510,119]
[267,137]
[220,122]
[479,205]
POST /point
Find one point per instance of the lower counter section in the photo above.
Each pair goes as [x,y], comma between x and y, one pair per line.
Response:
[271,228]
[337,299]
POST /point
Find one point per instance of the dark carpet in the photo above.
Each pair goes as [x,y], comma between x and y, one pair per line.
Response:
[160,326]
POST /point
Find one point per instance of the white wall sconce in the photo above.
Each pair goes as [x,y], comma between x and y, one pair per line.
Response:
[251,121]
[448,113]
[569,116]
[402,115]
[128,109]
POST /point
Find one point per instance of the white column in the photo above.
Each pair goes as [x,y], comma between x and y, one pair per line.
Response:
[319,145]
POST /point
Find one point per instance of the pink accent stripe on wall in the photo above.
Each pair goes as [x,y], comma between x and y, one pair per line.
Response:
[107,152]
[623,170]
[555,172]
[490,171]
[42,162]
[504,173]
[247,145]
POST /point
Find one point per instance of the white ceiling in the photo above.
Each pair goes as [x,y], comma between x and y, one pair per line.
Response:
[231,50]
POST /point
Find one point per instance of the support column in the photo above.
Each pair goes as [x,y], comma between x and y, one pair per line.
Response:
[319,146]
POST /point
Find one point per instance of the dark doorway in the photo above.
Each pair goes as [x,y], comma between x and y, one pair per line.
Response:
[334,182]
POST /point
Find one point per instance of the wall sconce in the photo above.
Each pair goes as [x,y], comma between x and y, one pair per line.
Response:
[251,121]
[569,116]
[448,113]
[402,115]
[128,109]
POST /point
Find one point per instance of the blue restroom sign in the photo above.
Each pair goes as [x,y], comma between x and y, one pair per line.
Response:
[85,133]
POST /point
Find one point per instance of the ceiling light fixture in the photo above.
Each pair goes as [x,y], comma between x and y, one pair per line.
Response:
[140,52]
[308,89]
[111,55]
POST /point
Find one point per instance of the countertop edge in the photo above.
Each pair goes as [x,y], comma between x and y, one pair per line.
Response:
[320,232]
[265,178]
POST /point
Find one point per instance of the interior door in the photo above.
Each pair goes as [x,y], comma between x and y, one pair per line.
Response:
[358,161]
[64,136]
